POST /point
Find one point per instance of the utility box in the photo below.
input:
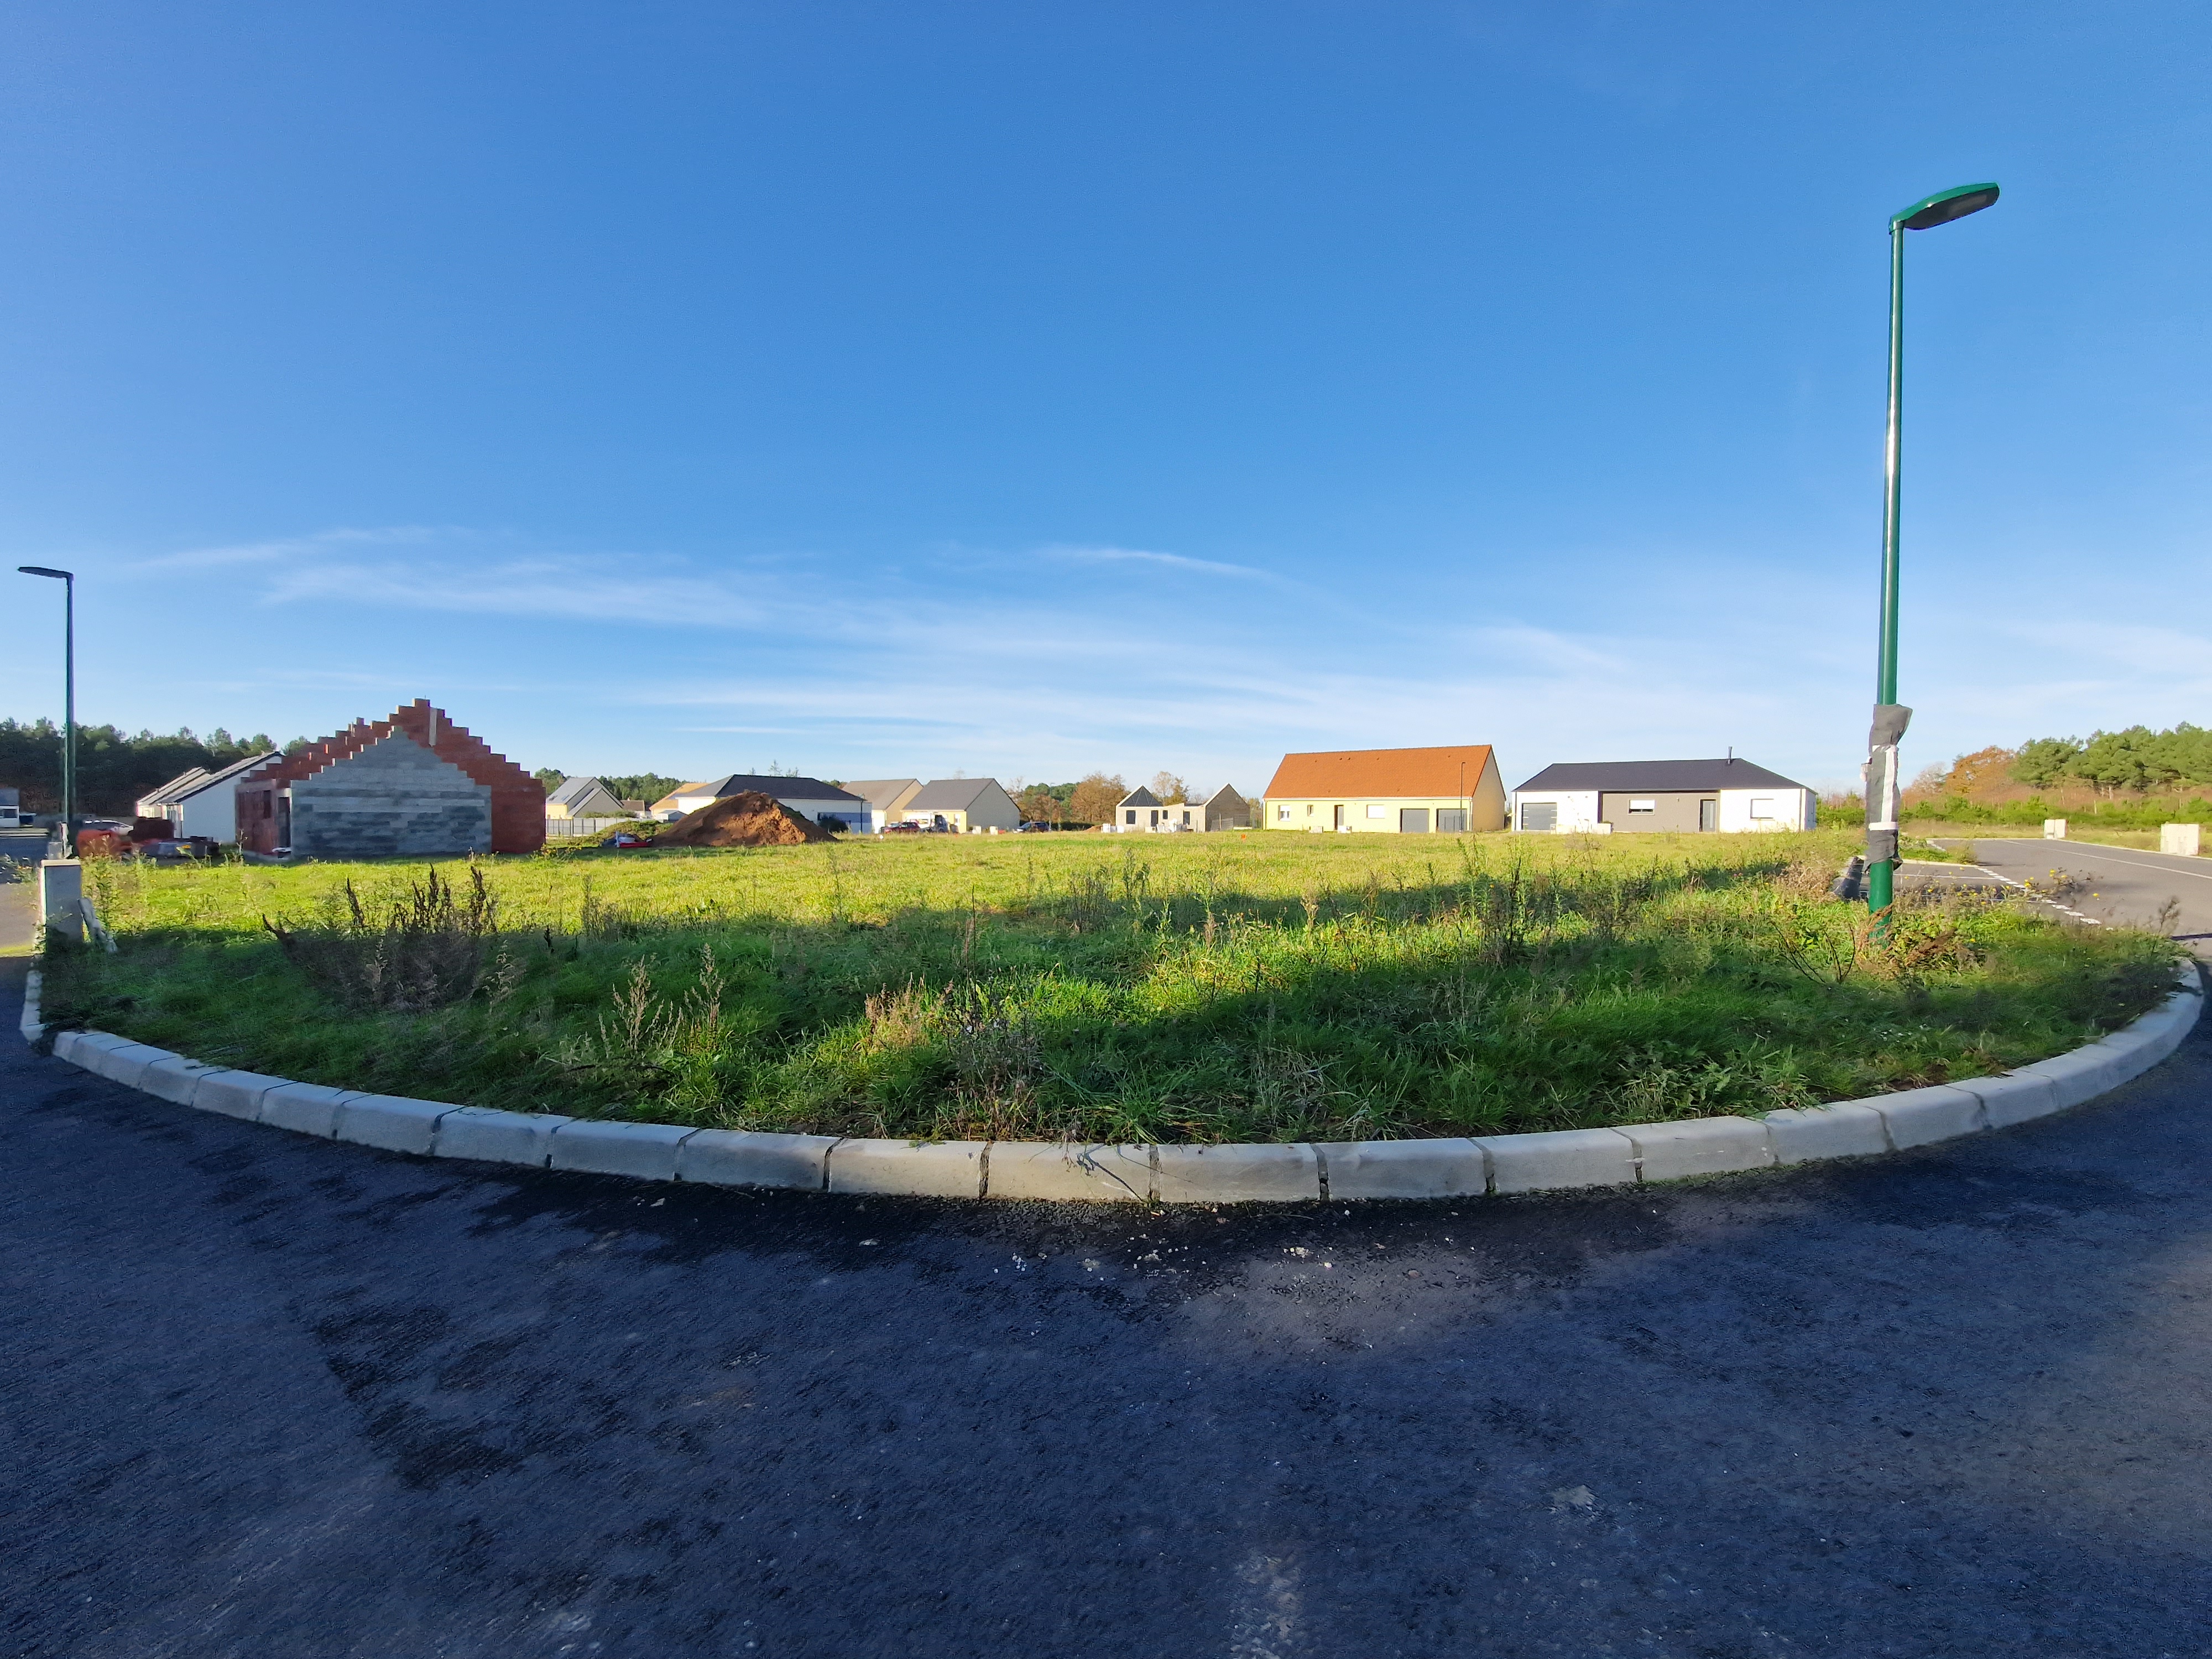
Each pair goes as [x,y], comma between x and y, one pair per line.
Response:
[2184,840]
[61,899]
[2054,828]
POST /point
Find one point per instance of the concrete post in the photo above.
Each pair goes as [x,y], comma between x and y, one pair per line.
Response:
[2054,828]
[2184,839]
[61,899]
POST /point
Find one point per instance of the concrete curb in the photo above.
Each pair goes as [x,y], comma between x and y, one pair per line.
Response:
[1550,1161]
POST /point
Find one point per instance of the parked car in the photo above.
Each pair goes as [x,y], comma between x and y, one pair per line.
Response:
[622,840]
[1034,829]
[902,829]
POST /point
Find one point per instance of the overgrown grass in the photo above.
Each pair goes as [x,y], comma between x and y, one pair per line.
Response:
[1222,988]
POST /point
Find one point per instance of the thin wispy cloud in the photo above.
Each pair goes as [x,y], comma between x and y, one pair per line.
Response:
[990,665]
[1168,561]
[284,549]
[534,589]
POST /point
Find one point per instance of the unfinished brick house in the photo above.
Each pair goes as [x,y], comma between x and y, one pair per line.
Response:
[415,785]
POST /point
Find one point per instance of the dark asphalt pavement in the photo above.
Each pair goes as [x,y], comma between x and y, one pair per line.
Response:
[267,1397]
[2112,884]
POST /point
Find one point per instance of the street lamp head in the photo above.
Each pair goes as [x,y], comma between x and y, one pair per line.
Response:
[1944,206]
[40,570]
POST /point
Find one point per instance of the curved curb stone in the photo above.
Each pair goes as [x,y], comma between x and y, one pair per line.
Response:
[1550,1161]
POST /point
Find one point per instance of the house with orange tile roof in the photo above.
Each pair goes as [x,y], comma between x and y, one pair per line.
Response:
[1394,791]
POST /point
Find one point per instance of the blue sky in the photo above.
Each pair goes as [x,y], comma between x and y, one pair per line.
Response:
[884,390]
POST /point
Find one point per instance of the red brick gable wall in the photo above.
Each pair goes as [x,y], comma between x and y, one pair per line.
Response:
[518,801]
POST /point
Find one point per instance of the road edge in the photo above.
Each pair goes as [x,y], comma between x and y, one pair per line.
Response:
[1051,1171]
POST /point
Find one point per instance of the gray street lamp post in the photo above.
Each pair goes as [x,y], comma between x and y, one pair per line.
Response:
[1883,784]
[68,579]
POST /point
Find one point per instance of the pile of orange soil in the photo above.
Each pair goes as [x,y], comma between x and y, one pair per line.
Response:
[751,819]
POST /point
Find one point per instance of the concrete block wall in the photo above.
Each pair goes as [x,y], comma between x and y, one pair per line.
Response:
[517,800]
[394,798]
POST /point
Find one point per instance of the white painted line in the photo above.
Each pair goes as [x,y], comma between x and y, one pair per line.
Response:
[2035,896]
[2134,863]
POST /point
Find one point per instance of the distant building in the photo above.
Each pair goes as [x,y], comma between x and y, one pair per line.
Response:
[201,802]
[887,798]
[812,799]
[966,806]
[1227,809]
[583,798]
[1446,791]
[1142,812]
[413,785]
[1681,797]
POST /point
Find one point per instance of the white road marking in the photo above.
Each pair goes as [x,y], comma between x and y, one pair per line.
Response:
[1997,875]
[2134,863]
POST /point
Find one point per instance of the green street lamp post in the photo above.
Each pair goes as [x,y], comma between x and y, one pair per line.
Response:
[68,579]
[1890,717]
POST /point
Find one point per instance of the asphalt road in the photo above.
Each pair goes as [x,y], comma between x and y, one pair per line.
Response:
[266,1396]
[2112,884]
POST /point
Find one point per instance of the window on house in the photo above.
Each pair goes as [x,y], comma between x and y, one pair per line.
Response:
[1375,809]
[1132,819]
[1451,820]
[1635,805]
[1283,814]
[1762,808]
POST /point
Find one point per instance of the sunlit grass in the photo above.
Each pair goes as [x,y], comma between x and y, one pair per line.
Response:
[1257,987]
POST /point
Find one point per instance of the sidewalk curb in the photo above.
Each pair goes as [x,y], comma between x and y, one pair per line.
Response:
[1050,1172]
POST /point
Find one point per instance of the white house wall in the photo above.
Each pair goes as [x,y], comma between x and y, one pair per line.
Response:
[210,812]
[1787,809]
[1578,809]
[853,814]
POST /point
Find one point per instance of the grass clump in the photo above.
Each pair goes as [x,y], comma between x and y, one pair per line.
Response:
[1260,987]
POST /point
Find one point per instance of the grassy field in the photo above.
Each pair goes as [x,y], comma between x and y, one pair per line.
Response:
[1175,988]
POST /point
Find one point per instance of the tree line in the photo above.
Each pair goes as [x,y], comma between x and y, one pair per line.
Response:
[2135,761]
[114,768]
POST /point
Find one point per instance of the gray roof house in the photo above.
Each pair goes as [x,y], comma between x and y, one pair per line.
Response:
[1141,811]
[889,796]
[583,798]
[1681,797]
[966,806]
[200,802]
